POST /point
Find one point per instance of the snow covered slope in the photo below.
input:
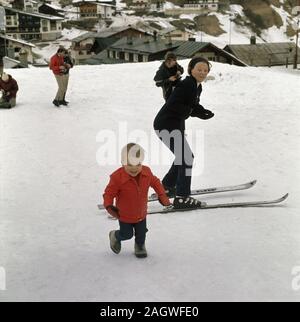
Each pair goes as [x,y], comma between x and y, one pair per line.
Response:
[53,240]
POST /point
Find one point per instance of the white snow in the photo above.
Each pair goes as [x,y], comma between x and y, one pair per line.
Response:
[53,240]
[69,34]
[237,34]
[170,5]
[242,34]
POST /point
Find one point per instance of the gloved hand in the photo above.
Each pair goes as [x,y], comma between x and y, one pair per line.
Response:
[113,211]
[207,114]
[200,112]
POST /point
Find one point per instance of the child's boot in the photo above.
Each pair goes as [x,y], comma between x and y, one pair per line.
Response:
[140,250]
[115,245]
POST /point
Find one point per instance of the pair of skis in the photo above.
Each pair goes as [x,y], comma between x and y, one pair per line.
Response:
[243,186]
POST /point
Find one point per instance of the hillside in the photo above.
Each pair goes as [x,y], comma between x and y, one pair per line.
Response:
[267,19]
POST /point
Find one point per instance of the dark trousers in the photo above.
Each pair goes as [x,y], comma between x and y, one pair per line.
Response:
[126,231]
[180,173]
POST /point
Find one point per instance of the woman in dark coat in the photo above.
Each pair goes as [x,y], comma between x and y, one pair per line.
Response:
[169,125]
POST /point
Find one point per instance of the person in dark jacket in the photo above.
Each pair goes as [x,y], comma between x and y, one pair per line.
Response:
[169,125]
[8,88]
[168,74]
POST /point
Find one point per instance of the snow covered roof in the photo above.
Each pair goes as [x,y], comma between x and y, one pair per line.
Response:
[34,14]
[23,42]
[112,31]
[53,6]
[76,1]
[84,36]
[107,3]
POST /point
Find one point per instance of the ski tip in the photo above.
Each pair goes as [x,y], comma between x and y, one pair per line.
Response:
[285,196]
[253,182]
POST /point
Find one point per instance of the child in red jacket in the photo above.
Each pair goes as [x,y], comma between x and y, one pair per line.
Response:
[129,185]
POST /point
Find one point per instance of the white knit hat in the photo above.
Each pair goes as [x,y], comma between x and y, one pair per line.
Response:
[4,77]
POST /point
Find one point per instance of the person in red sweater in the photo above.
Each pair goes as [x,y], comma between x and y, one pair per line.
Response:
[129,186]
[59,67]
[8,88]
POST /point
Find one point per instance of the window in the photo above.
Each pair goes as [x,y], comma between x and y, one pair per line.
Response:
[52,25]
[11,20]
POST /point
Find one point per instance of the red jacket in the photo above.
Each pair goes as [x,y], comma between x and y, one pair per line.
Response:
[11,87]
[131,197]
[55,62]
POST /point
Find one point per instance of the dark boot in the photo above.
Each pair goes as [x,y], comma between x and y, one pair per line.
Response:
[6,105]
[63,103]
[115,245]
[140,250]
[187,202]
[56,103]
[64,100]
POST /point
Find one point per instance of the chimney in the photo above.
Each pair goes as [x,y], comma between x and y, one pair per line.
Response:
[253,40]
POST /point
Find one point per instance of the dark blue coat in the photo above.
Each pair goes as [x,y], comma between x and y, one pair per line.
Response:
[183,103]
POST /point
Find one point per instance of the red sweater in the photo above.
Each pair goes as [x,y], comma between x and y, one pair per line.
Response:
[55,62]
[131,197]
[11,87]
